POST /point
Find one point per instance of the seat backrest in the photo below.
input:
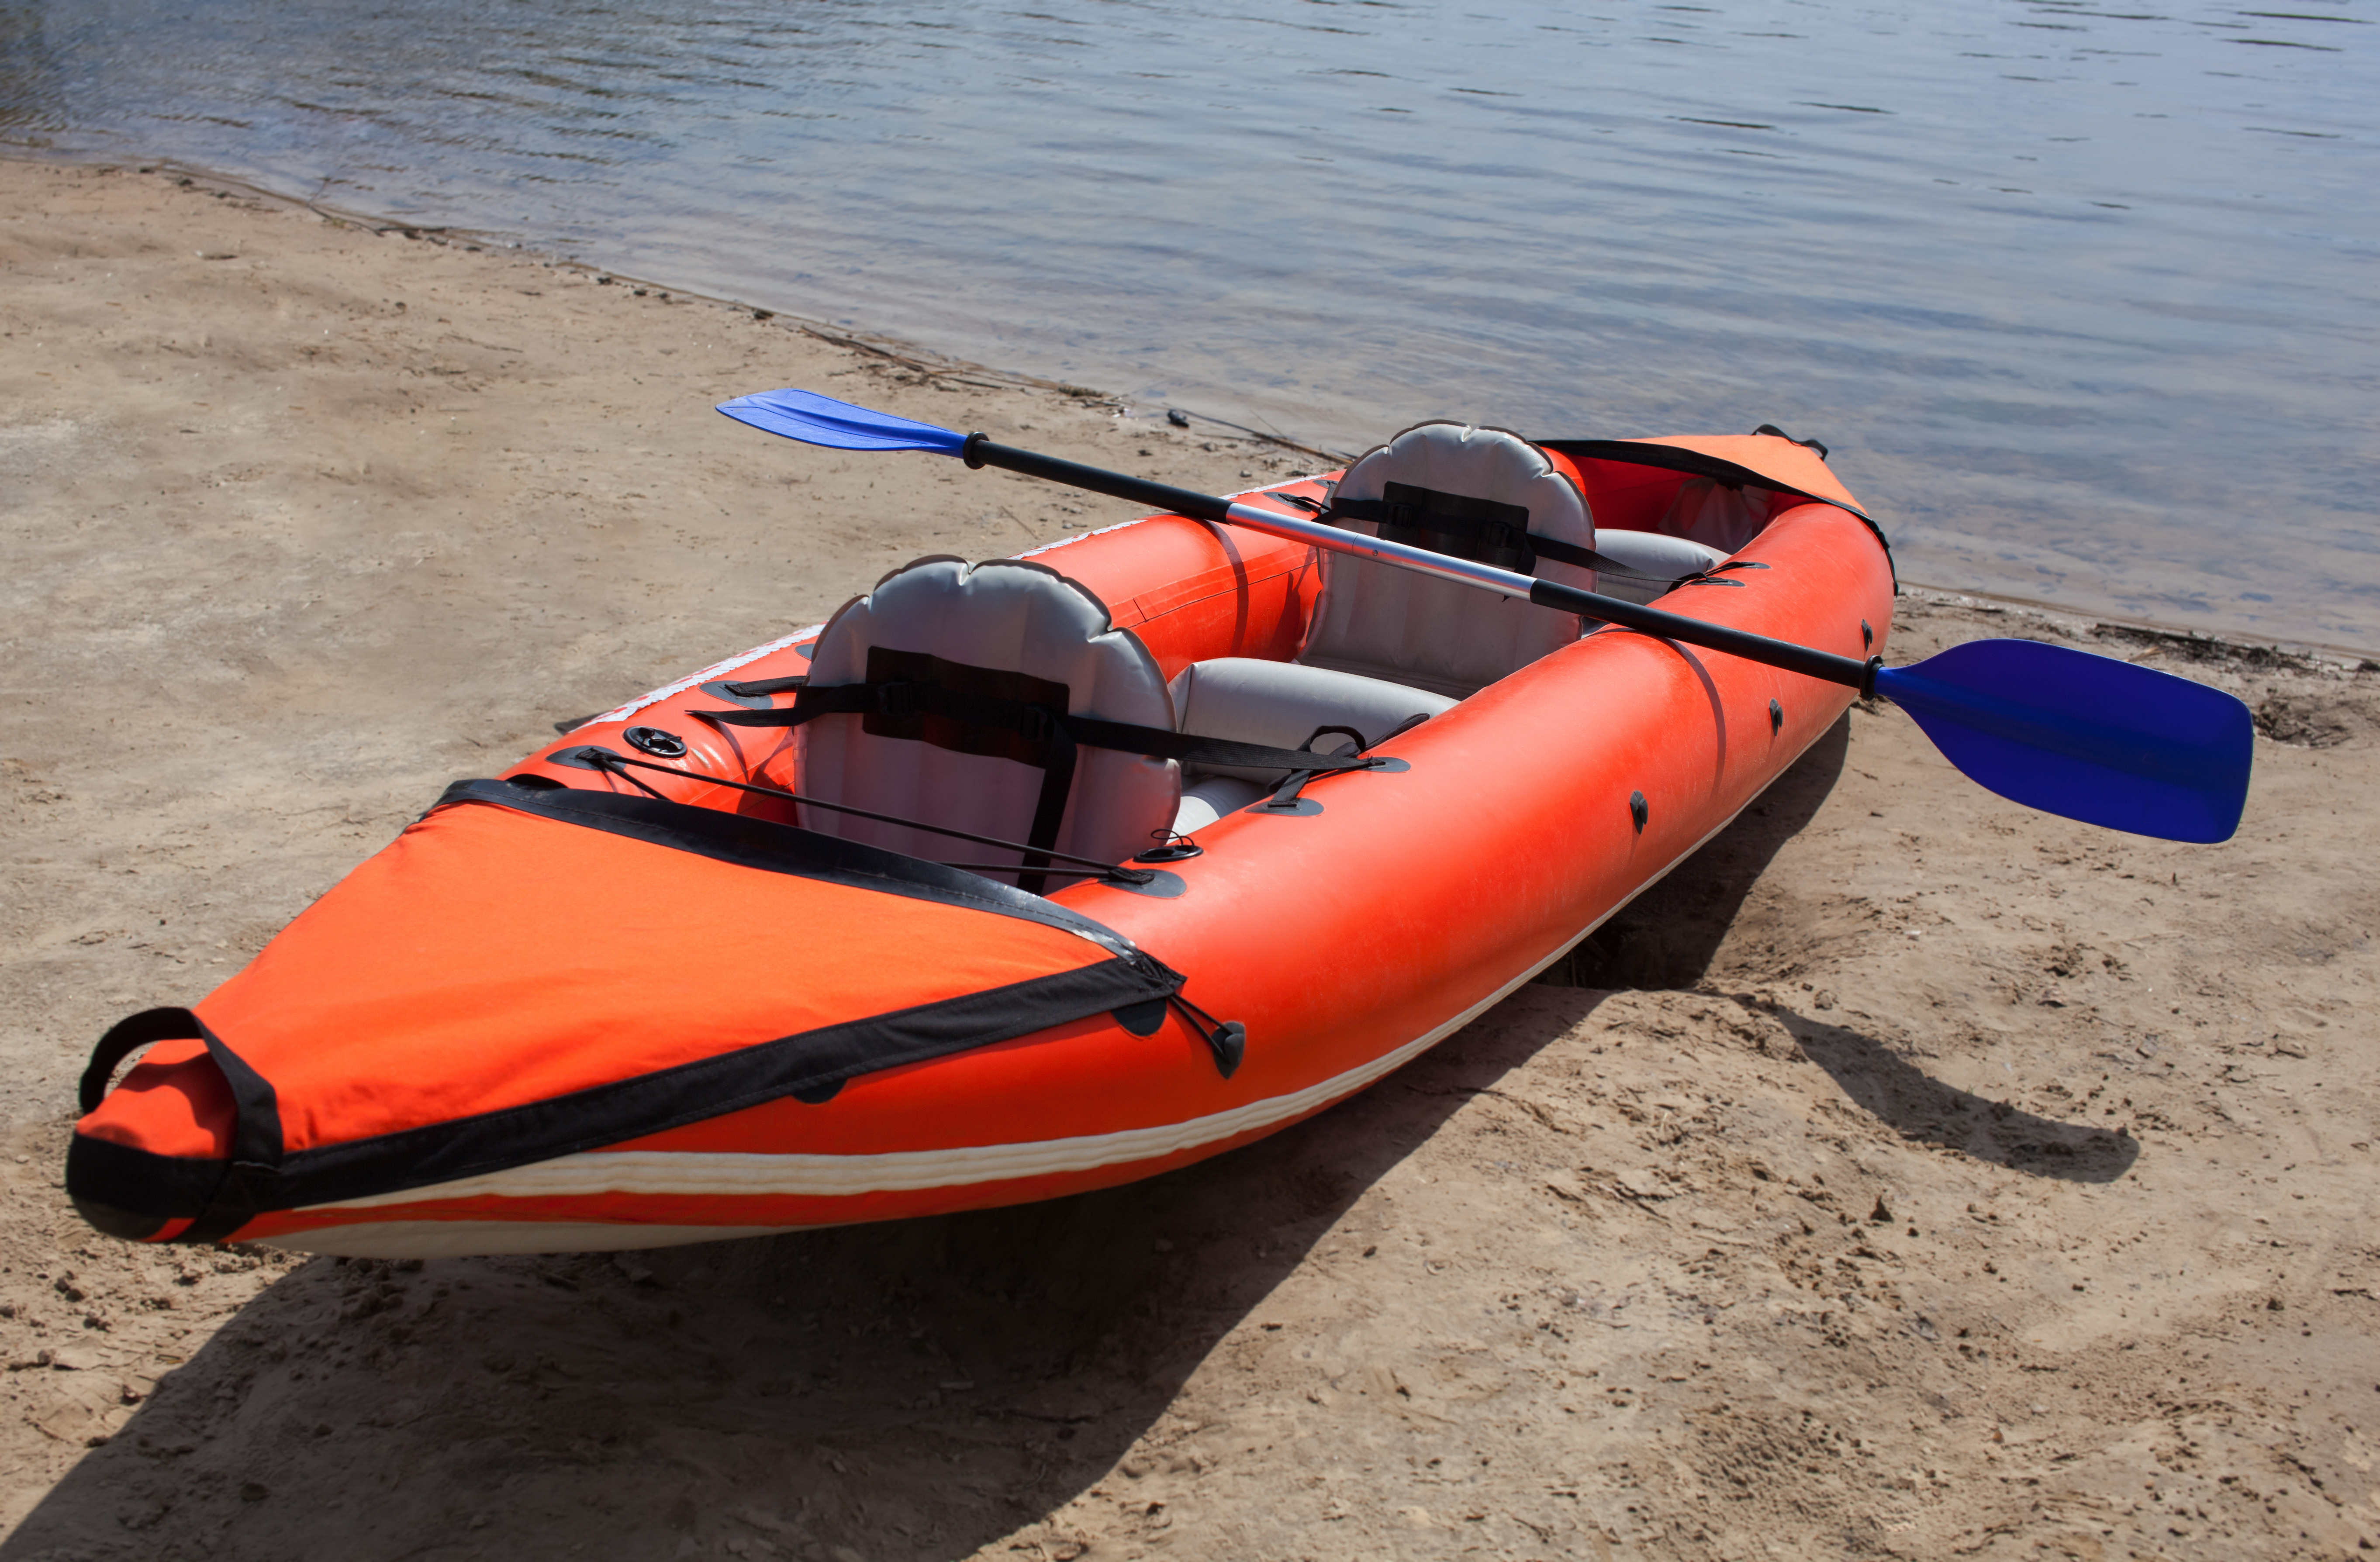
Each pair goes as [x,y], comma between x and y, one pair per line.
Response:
[1385,622]
[998,633]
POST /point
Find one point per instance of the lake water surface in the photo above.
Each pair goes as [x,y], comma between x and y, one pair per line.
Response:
[2083,298]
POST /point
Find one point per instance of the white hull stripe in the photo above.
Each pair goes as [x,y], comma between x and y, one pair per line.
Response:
[668,1173]
[690,1174]
[474,1239]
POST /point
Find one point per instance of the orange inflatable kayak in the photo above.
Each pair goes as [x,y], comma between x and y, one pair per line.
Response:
[1015,880]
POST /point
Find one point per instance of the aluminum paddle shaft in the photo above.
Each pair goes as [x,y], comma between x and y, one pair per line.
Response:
[1848,672]
[2087,737]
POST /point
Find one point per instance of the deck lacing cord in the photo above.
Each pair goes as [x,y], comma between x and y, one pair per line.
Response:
[606,761]
[1228,1039]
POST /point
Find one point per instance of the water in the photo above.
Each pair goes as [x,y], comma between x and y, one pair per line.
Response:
[2083,298]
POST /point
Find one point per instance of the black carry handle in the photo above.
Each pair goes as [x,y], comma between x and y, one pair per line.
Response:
[127,1037]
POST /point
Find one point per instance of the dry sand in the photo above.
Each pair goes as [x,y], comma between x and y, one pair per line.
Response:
[1909,1174]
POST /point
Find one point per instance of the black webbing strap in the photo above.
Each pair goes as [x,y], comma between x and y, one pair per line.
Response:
[1193,749]
[762,688]
[857,699]
[1477,529]
[256,1144]
[1050,808]
[922,711]
[1602,563]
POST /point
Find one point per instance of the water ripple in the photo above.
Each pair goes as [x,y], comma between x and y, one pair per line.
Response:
[2083,298]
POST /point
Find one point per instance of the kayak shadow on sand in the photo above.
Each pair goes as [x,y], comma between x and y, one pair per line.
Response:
[1667,935]
[1897,1093]
[917,1390]
[1668,938]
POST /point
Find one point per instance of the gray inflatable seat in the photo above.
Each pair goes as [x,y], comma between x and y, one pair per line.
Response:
[1664,558]
[1381,622]
[1286,706]
[1204,802]
[1006,631]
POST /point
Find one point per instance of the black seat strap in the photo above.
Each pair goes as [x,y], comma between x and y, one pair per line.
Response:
[1454,523]
[1192,749]
[1050,808]
[850,700]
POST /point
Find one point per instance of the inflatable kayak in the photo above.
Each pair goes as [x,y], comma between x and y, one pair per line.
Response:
[1014,879]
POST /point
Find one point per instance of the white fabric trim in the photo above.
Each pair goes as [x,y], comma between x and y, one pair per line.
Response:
[716,670]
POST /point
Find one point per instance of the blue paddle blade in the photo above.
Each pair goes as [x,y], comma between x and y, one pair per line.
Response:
[816,420]
[2086,738]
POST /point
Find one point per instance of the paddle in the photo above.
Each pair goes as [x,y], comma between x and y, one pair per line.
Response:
[2086,738]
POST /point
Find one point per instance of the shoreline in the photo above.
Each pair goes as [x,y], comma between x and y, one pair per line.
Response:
[1905,1167]
[917,357]
[913,355]
[2311,654]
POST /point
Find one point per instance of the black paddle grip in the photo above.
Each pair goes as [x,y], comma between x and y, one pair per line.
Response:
[1850,671]
[980,451]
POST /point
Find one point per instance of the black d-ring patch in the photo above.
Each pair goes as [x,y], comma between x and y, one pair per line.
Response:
[655,742]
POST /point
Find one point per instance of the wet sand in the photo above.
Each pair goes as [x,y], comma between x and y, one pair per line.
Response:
[1908,1174]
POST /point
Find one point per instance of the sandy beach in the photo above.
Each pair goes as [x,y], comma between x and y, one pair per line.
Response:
[1909,1174]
